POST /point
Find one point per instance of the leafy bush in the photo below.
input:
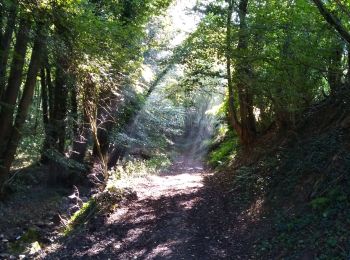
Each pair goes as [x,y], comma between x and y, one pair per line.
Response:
[320,203]
[137,168]
[225,151]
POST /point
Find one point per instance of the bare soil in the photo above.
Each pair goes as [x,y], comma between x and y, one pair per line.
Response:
[178,215]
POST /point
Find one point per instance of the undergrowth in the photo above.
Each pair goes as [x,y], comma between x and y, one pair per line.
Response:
[27,243]
[136,168]
[114,193]
[226,146]
[304,186]
[312,180]
[103,202]
[80,217]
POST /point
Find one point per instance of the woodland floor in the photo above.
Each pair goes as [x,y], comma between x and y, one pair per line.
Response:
[177,215]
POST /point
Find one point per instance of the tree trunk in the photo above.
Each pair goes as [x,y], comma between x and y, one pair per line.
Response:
[348,73]
[58,94]
[5,45]
[49,89]
[232,113]
[104,123]
[80,130]
[335,69]
[283,116]
[74,109]
[80,143]
[243,77]
[2,11]
[60,105]
[58,98]
[45,105]
[48,126]
[24,105]
[14,83]
[44,97]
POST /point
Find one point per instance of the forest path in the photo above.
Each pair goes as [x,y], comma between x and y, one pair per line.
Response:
[169,220]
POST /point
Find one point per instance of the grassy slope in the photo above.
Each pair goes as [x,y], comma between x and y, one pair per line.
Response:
[295,196]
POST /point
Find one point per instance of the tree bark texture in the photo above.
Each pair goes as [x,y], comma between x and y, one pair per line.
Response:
[243,78]
[5,43]
[15,79]
[24,104]
[232,112]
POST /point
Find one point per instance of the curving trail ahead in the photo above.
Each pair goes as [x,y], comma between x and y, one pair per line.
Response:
[169,220]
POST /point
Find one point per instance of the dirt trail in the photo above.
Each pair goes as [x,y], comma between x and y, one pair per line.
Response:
[174,217]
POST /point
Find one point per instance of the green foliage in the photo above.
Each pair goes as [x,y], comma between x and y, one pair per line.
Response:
[289,47]
[305,193]
[320,203]
[225,145]
[224,153]
[101,41]
[134,168]
[27,243]
[159,163]
[29,150]
[155,127]
[65,163]
[81,217]
[103,202]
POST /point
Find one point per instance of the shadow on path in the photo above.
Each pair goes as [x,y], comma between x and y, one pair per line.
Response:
[179,215]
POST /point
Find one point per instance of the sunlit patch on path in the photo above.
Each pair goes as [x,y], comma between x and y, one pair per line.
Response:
[178,179]
[155,226]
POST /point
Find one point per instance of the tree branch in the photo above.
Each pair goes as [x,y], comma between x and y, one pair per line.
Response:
[332,20]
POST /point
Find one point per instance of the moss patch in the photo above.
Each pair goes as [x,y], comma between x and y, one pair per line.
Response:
[81,217]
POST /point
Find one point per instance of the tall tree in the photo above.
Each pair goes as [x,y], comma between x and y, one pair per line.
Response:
[335,69]
[5,43]
[243,78]
[15,79]
[55,136]
[232,111]
[8,154]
